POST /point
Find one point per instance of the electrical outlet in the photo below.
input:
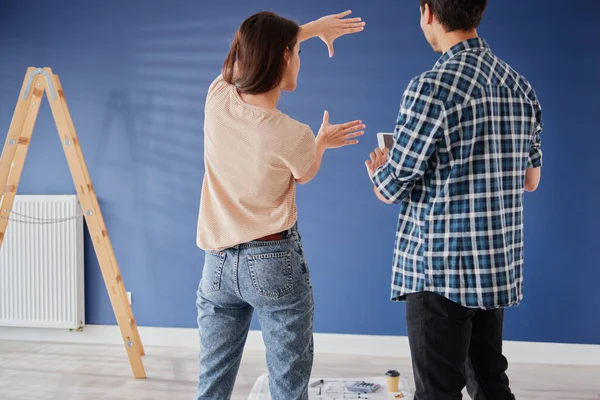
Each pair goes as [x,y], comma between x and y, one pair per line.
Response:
[129,297]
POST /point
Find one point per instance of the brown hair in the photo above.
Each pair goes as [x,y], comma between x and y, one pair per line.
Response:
[256,63]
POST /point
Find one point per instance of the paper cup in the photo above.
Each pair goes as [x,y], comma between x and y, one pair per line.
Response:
[393,381]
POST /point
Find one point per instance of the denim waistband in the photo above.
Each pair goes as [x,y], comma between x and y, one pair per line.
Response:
[286,236]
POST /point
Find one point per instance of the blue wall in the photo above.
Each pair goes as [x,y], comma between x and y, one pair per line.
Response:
[136,73]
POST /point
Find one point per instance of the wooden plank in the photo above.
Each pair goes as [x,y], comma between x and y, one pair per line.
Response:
[90,188]
[97,229]
[14,131]
[15,150]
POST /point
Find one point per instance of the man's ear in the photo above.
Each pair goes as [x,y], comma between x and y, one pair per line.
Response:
[427,14]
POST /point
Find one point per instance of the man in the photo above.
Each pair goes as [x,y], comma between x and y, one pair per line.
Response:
[467,146]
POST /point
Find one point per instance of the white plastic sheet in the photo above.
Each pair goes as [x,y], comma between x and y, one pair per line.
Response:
[334,389]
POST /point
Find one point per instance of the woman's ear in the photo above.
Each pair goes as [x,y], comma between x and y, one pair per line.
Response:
[286,57]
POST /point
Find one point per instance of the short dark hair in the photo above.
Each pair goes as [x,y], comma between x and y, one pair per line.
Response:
[258,49]
[457,15]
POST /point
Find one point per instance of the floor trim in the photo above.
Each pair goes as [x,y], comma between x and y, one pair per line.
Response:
[377,346]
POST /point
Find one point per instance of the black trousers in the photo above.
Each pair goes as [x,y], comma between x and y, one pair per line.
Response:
[453,346]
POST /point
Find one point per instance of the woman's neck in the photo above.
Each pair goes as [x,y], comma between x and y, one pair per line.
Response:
[264,100]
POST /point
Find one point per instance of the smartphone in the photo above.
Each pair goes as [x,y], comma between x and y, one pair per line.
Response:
[385,140]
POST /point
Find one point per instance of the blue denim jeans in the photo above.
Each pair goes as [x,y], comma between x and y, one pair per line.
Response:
[273,279]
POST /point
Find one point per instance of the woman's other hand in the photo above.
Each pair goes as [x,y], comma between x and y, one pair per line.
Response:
[334,136]
[331,27]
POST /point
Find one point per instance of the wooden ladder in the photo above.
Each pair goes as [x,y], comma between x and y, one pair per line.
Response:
[37,81]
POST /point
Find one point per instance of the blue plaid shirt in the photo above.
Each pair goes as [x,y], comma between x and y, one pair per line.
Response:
[466,133]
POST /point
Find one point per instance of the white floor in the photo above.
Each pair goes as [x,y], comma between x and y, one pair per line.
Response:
[31,370]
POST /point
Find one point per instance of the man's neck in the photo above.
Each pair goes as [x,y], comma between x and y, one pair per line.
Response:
[451,39]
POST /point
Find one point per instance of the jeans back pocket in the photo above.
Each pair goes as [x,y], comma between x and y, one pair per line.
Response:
[272,274]
[213,270]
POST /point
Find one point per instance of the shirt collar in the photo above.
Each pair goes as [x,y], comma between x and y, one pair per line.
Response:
[467,45]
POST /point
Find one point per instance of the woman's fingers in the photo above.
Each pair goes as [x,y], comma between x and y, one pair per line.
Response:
[351,20]
[343,14]
[352,30]
[353,25]
[350,124]
[353,135]
[352,128]
[325,117]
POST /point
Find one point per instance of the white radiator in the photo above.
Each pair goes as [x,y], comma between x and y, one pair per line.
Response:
[41,264]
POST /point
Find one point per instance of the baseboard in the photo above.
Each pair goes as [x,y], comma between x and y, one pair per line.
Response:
[377,346]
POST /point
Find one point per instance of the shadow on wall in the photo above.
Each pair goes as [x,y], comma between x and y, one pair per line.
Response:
[152,136]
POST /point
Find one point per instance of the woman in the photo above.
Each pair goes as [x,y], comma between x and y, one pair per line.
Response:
[254,155]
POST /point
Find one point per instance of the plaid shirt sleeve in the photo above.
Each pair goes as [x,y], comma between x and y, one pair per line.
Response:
[535,155]
[419,125]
